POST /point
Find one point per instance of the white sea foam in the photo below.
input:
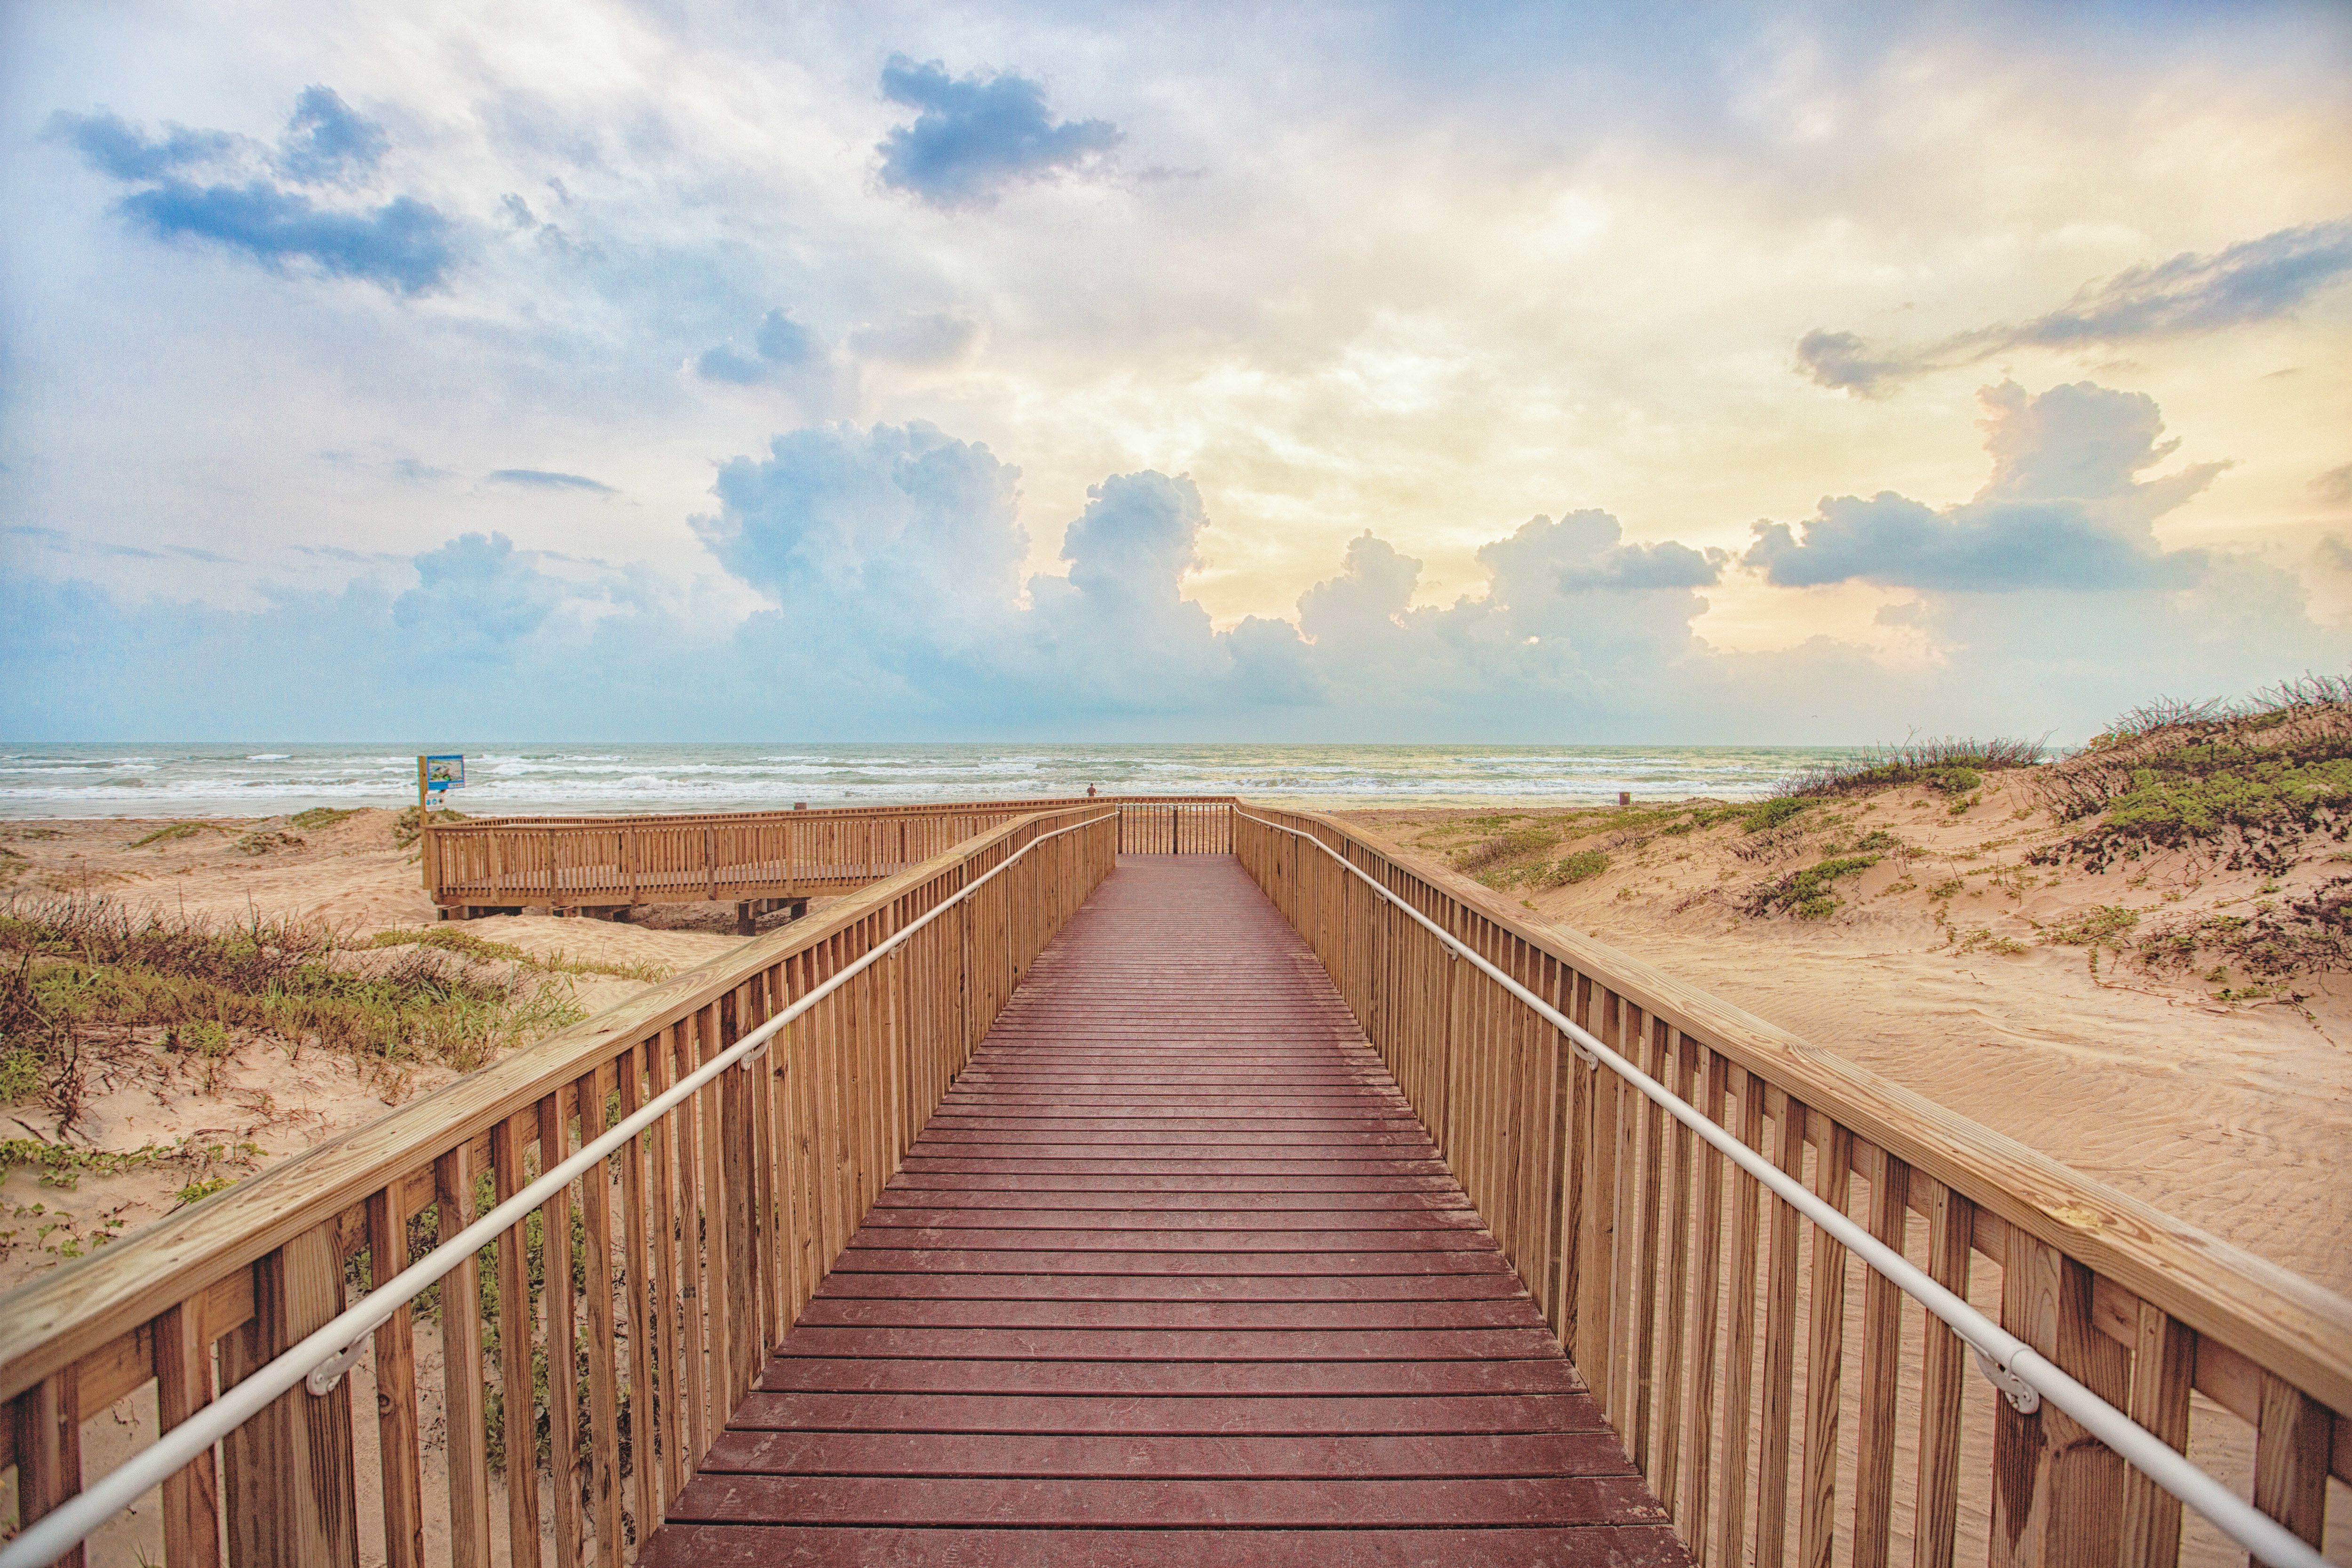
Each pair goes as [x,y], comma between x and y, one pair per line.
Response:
[149,781]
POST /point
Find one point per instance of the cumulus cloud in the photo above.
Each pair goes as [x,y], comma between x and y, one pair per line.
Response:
[476,595]
[975,135]
[887,563]
[215,188]
[2335,485]
[897,536]
[548,479]
[2066,508]
[2255,281]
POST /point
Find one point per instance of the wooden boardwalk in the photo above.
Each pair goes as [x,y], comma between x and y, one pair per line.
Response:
[1173,1277]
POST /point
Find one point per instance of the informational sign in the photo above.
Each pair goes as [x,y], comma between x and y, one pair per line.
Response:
[445,773]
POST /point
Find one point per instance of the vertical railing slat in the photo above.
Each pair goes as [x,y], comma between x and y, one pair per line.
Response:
[519,1410]
[2291,1454]
[399,1451]
[1691,1506]
[603,1382]
[48,1450]
[1825,1356]
[1779,1431]
[1731,1483]
[560,1307]
[645,1398]
[461,1368]
[184,1385]
[1673,1299]
[1882,1370]
[1952,1224]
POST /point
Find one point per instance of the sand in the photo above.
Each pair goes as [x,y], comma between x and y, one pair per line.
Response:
[2236,1116]
[267,1099]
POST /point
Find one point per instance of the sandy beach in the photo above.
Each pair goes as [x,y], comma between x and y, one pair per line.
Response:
[2229,1110]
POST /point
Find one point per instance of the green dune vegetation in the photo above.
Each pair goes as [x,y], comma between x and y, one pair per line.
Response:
[84,977]
[2252,789]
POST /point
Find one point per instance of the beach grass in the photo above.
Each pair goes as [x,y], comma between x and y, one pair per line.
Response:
[78,971]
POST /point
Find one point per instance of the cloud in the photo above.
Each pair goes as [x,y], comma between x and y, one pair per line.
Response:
[546,479]
[779,345]
[899,534]
[326,143]
[58,539]
[476,598]
[404,246]
[884,566]
[2065,508]
[2335,485]
[974,136]
[115,147]
[1843,360]
[2256,281]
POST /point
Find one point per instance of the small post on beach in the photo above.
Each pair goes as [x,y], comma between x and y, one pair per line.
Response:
[423,827]
[1625,798]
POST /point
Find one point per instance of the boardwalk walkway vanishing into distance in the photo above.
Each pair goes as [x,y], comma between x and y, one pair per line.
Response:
[1134,1181]
[1171,1277]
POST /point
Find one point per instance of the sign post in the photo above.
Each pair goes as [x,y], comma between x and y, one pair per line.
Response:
[433,776]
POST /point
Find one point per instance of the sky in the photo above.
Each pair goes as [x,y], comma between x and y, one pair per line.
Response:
[1800,374]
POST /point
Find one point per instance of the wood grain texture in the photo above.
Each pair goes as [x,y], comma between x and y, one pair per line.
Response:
[184,1385]
[57,1320]
[2294,1328]
[559,1308]
[399,1458]
[461,1369]
[520,1415]
[1824,1357]
[2164,1360]
[1882,1369]
[1261,1332]
[2290,1459]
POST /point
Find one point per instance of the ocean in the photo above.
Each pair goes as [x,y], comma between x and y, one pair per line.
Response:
[260,780]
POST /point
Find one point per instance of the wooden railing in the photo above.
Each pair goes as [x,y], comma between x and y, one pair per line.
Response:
[614,862]
[650,1297]
[1718,1329]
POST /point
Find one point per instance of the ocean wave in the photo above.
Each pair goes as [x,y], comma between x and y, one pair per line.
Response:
[65,781]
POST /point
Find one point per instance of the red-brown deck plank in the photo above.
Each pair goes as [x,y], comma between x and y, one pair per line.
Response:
[1173,1276]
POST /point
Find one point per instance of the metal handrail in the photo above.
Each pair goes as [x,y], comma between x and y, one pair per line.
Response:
[2022,1374]
[69,1524]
